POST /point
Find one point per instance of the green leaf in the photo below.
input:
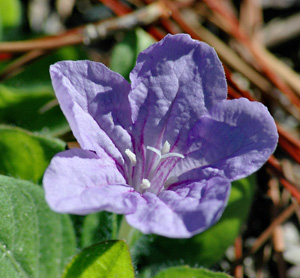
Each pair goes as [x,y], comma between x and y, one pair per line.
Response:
[10,13]
[99,227]
[27,99]
[1,33]
[208,247]
[25,155]
[125,53]
[35,242]
[37,74]
[27,108]
[187,272]
[106,259]
[214,241]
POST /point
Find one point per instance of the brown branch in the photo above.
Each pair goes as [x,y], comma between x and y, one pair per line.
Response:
[116,6]
[16,66]
[280,30]
[120,9]
[274,166]
[230,57]
[47,43]
[93,31]
[238,247]
[287,213]
[260,55]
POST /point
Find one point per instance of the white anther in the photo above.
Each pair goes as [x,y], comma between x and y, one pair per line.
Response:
[170,181]
[166,148]
[145,184]
[131,156]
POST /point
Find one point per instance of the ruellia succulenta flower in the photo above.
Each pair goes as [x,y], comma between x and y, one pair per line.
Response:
[163,149]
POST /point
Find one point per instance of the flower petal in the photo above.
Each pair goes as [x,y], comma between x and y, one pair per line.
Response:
[174,82]
[182,212]
[95,102]
[80,182]
[235,140]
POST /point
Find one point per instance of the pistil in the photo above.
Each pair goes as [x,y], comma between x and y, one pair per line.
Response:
[163,154]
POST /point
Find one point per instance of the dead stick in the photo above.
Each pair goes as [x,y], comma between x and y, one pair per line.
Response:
[268,232]
[16,66]
[92,31]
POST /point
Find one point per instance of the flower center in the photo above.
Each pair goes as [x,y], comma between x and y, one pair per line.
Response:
[161,155]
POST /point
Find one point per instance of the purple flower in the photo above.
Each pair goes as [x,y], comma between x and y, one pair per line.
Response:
[163,150]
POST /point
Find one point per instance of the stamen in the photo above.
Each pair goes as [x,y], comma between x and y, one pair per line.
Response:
[163,154]
[172,154]
[154,150]
[131,156]
[156,161]
[165,151]
[145,184]
[166,148]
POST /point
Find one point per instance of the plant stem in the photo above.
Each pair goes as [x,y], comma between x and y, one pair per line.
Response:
[128,233]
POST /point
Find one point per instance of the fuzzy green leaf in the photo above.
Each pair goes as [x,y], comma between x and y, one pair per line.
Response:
[35,242]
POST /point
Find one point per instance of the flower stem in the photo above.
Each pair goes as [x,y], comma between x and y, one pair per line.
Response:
[114,234]
[128,233]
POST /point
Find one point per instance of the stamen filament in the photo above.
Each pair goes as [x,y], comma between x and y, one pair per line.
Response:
[171,154]
[156,161]
[154,150]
